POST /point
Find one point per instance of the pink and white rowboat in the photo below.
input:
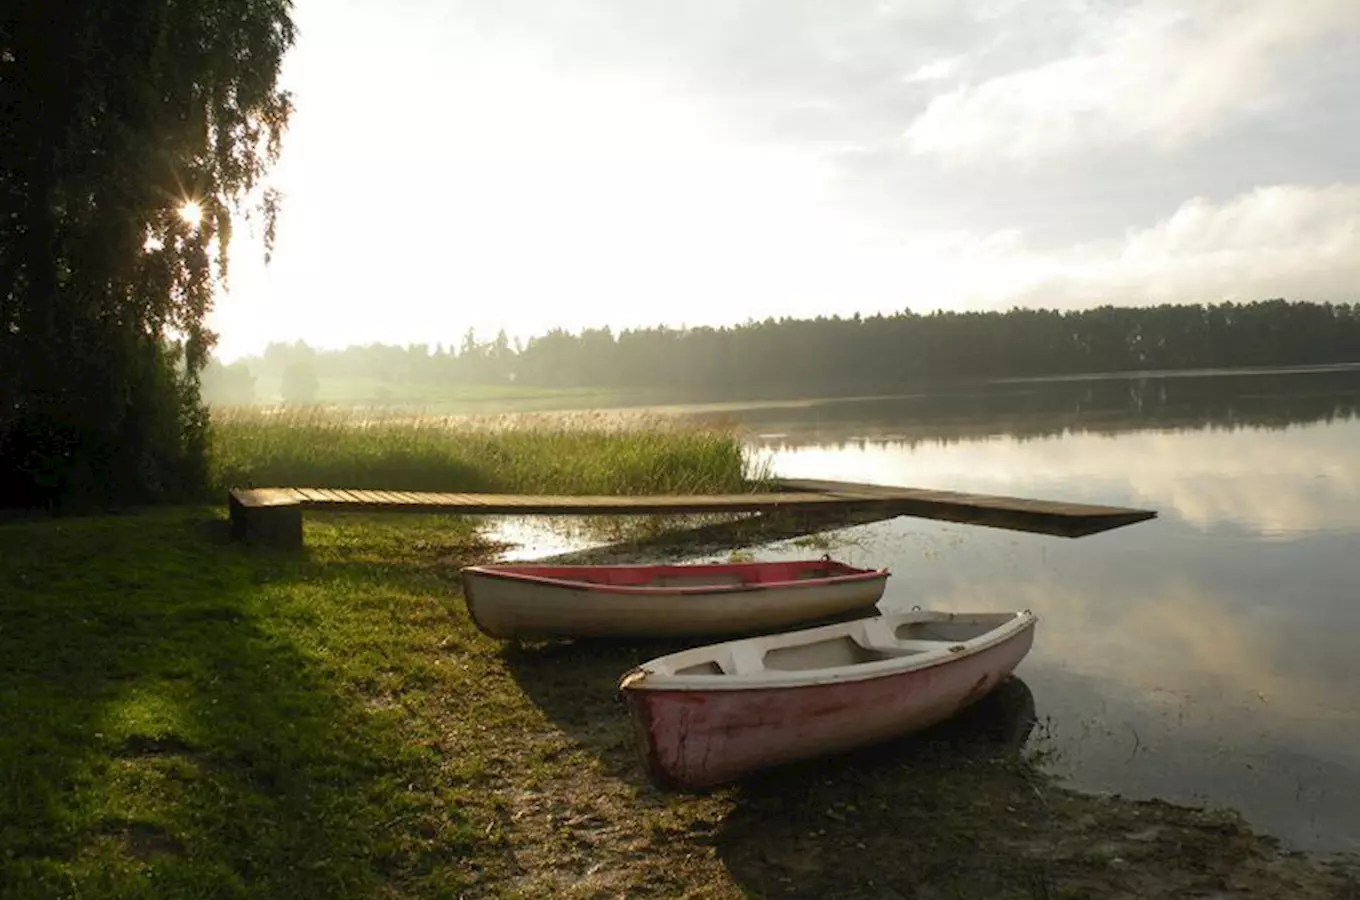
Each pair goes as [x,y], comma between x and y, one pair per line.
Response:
[525,601]
[710,715]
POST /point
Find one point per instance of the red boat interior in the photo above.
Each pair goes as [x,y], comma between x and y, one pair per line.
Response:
[692,575]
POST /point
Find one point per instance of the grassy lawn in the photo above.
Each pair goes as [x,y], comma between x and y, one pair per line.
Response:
[186,718]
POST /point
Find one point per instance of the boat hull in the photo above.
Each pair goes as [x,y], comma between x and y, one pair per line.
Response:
[694,739]
[506,607]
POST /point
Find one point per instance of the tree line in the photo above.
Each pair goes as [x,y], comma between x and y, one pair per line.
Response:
[858,354]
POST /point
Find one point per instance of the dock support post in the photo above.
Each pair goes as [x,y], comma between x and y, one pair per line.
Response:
[276,523]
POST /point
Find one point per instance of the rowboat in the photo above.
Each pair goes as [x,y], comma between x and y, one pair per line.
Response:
[527,601]
[710,715]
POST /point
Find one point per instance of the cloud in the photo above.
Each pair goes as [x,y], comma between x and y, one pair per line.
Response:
[520,164]
[1285,240]
[1161,73]
[936,70]
[1294,241]
[781,248]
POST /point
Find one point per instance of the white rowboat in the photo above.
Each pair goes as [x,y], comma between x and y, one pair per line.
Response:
[722,599]
[712,714]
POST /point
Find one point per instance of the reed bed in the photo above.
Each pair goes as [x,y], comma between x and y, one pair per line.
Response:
[559,453]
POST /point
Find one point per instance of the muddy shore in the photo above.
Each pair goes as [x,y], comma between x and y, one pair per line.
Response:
[965,810]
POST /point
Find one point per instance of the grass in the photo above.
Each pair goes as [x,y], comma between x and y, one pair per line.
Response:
[187,718]
[572,453]
[184,721]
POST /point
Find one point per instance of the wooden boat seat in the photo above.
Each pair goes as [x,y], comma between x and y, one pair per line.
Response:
[693,580]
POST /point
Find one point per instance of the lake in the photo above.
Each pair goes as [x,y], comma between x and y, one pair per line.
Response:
[1207,656]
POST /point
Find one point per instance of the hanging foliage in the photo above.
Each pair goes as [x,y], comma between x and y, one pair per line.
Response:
[137,132]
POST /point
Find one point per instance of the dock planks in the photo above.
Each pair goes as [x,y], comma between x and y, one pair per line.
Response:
[274,515]
[1012,513]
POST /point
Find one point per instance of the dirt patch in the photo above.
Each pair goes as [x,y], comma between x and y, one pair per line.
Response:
[143,841]
[993,829]
[142,746]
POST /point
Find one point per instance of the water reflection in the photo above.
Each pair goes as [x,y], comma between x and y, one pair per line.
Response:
[1270,482]
[1036,410]
[1215,672]
[1205,656]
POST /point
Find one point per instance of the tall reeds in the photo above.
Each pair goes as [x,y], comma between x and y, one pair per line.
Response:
[560,453]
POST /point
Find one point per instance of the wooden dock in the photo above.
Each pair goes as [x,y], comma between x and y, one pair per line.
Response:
[274,515]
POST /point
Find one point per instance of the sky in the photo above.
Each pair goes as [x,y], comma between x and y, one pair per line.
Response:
[527,165]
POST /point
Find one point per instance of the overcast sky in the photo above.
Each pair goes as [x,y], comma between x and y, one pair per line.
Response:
[528,164]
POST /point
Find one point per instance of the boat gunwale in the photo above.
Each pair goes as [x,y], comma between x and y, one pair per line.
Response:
[852,575]
[640,678]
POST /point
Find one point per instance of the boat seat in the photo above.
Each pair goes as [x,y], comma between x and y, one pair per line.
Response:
[881,636]
[919,646]
[878,635]
[746,660]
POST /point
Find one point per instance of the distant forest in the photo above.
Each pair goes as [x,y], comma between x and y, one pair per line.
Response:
[839,356]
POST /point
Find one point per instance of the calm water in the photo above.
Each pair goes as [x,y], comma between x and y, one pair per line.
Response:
[1207,656]
[1210,655]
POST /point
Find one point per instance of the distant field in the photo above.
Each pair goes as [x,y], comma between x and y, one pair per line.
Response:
[478,399]
[448,398]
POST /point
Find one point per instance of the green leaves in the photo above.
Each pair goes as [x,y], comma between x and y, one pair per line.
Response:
[123,111]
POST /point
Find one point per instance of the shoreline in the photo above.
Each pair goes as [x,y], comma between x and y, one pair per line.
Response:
[1106,843]
[333,724]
